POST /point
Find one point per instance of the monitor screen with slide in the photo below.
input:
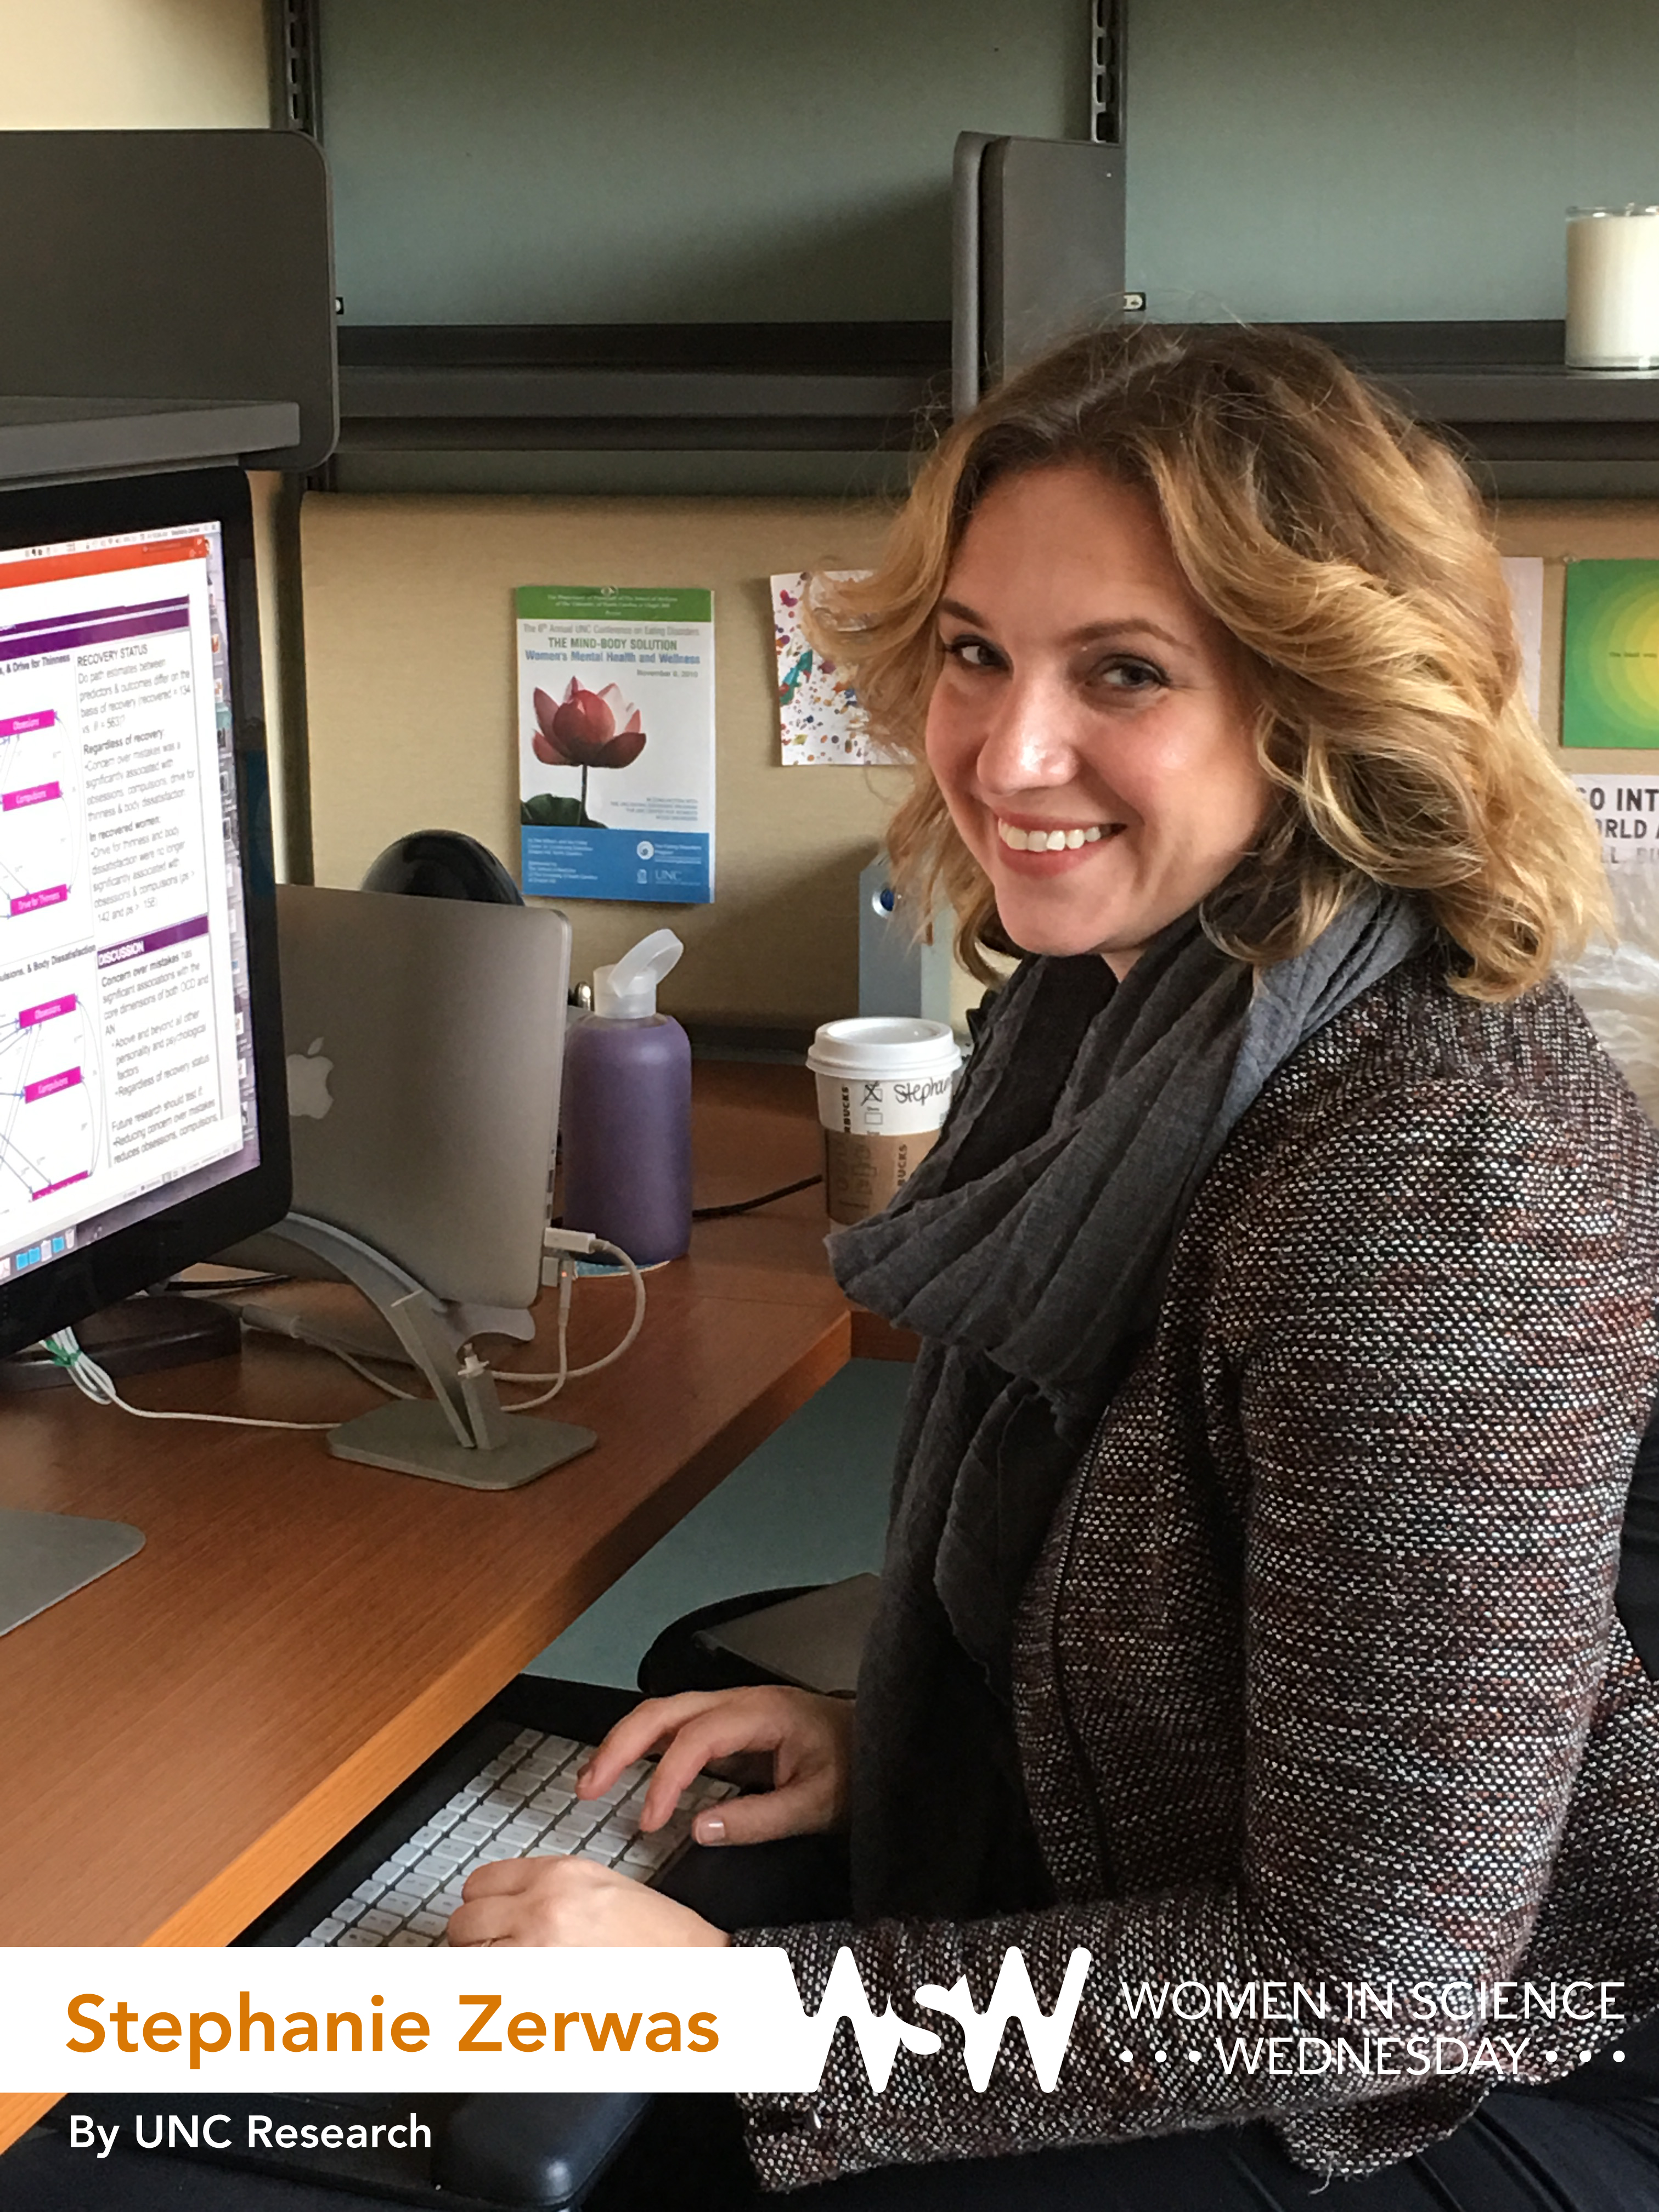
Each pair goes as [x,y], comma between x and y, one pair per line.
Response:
[142,1122]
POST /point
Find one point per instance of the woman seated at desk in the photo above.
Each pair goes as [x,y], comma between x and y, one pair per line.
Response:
[1287,1275]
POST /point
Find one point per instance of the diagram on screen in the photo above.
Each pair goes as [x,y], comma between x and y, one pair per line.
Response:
[48,1099]
[37,827]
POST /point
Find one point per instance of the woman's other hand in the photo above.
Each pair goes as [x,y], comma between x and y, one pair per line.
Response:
[808,1739]
[571,1901]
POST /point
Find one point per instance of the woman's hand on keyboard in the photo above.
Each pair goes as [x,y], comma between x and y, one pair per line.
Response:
[808,1739]
[571,1901]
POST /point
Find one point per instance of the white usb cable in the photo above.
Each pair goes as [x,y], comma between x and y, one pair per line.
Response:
[91,1380]
[93,1383]
[571,1244]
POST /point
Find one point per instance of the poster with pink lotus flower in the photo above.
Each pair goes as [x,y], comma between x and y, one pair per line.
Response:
[616,707]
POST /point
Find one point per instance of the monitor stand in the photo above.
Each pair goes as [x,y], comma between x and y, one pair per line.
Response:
[47,1556]
[462,1434]
[44,1557]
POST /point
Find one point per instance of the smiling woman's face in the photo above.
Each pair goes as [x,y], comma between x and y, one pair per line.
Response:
[1090,728]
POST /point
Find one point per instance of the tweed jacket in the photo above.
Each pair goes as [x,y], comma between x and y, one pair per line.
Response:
[1318,1678]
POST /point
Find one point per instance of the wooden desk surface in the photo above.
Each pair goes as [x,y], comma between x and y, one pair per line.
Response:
[182,1740]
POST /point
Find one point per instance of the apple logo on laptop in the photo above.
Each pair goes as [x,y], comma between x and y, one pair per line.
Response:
[307,1083]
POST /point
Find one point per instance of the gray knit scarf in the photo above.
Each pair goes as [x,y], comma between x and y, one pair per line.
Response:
[1030,1252]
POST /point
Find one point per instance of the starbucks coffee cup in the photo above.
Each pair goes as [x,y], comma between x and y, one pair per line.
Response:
[884,1084]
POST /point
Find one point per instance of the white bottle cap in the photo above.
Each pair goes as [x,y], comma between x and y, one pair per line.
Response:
[627,991]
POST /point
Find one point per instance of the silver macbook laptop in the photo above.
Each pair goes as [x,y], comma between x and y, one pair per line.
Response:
[425,1039]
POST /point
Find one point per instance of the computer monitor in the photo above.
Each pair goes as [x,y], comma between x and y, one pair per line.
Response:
[142,1114]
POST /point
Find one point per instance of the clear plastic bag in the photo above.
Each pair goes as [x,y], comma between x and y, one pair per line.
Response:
[1618,984]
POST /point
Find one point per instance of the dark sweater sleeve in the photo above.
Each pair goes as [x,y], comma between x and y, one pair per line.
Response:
[1438,1399]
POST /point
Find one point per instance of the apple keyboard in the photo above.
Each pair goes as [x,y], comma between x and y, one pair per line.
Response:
[522,1804]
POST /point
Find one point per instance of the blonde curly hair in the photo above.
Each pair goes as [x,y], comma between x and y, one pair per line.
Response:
[1346,549]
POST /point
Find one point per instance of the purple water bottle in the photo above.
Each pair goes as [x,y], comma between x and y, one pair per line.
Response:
[626,1116]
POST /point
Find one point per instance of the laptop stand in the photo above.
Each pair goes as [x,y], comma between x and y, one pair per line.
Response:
[462,1434]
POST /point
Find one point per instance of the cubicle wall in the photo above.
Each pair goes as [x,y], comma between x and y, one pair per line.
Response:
[736,161]
[160,65]
[133,65]
[1346,161]
[410,638]
[507,162]
[410,658]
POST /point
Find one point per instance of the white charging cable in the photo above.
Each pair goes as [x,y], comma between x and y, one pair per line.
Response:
[91,1380]
[93,1383]
[571,1244]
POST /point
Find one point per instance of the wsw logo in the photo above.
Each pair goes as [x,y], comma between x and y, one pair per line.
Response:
[880,2035]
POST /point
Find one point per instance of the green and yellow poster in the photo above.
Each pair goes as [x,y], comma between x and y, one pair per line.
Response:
[1610,680]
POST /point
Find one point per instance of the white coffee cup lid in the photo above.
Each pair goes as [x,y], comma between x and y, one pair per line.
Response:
[874,1045]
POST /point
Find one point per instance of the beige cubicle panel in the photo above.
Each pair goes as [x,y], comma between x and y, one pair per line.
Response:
[409,664]
[134,65]
[410,658]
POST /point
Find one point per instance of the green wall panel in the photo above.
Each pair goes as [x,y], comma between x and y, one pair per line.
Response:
[1343,160]
[641,160]
[522,161]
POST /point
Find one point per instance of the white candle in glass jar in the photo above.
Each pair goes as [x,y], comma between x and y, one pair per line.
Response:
[1613,288]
